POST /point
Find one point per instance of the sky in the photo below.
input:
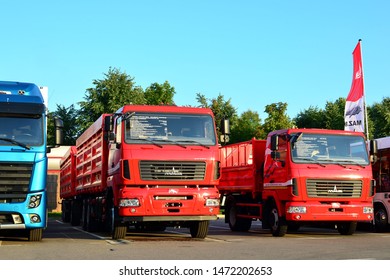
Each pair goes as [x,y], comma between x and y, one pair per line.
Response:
[253,52]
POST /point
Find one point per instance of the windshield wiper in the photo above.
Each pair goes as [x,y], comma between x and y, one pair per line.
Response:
[334,162]
[27,147]
[174,142]
[196,142]
[148,140]
[312,160]
[353,163]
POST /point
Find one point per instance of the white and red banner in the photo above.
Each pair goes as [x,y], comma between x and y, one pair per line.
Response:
[354,106]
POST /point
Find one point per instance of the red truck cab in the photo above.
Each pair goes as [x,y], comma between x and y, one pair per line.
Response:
[297,177]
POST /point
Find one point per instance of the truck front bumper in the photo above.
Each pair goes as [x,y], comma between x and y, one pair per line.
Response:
[168,218]
[329,212]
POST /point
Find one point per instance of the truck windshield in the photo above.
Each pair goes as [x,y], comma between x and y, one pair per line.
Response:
[170,129]
[328,149]
[21,130]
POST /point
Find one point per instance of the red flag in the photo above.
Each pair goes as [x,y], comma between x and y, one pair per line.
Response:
[357,89]
[354,106]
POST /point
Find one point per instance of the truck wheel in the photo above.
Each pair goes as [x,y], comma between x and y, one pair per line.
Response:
[75,212]
[278,224]
[35,234]
[119,231]
[235,223]
[380,219]
[90,223]
[65,211]
[347,228]
[199,229]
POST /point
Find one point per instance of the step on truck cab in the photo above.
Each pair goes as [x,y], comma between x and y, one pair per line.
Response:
[148,167]
[297,177]
[23,159]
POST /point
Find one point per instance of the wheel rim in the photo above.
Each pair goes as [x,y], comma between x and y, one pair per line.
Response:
[381,217]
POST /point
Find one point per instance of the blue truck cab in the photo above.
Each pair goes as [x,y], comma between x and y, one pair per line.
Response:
[23,159]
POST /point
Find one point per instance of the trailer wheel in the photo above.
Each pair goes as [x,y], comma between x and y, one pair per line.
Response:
[35,234]
[347,228]
[236,223]
[199,229]
[65,211]
[278,224]
[75,212]
[380,219]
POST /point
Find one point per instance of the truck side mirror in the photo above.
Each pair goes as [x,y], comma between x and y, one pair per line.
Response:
[225,126]
[373,151]
[275,155]
[108,128]
[274,142]
[225,130]
[107,123]
[59,125]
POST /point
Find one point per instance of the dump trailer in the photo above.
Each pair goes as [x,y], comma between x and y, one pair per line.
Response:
[297,177]
[23,160]
[144,166]
[381,173]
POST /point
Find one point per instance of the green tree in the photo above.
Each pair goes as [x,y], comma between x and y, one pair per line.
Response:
[277,118]
[334,114]
[379,114]
[247,126]
[221,108]
[108,95]
[71,129]
[158,94]
[313,117]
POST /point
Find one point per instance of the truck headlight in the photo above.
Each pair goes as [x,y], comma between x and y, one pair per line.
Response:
[296,209]
[34,201]
[129,202]
[212,202]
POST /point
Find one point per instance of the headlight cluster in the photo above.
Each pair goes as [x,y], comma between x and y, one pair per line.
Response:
[35,201]
[129,202]
[296,209]
[212,202]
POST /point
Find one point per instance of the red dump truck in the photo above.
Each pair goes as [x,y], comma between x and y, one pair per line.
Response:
[297,177]
[144,166]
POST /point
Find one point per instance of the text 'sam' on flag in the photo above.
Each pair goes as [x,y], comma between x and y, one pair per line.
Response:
[354,107]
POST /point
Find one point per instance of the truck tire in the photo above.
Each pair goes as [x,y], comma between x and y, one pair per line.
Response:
[35,234]
[236,223]
[90,222]
[65,211]
[380,219]
[278,224]
[75,212]
[199,229]
[119,231]
[347,228]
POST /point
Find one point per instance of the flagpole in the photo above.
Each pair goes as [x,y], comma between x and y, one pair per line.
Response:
[364,93]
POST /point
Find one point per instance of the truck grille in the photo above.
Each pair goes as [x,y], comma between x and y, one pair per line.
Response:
[334,188]
[172,170]
[14,182]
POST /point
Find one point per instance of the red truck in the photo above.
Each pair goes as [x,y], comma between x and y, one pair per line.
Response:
[297,177]
[144,166]
[381,173]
